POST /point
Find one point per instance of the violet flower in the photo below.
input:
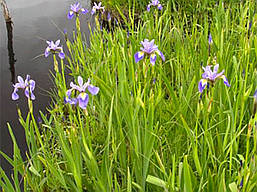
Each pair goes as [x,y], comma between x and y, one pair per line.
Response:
[97,7]
[82,98]
[75,10]
[54,48]
[28,85]
[210,41]
[155,3]
[150,49]
[210,77]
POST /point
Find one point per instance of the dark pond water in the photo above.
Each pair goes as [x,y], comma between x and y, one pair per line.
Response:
[34,21]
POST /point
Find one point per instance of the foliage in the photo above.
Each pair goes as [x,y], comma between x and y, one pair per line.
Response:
[148,129]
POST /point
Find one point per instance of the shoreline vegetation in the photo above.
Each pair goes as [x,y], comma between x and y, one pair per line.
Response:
[166,103]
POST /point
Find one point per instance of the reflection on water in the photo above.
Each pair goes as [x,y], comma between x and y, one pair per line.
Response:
[32,22]
[9,27]
[12,60]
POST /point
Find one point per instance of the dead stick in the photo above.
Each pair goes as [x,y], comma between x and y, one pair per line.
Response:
[6,12]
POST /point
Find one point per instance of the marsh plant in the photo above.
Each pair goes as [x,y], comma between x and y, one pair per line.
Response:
[177,114]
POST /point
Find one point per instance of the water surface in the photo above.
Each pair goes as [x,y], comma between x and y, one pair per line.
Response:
[34,21]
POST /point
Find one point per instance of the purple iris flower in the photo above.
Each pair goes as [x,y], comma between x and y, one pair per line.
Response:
[28,85]
[82,98]
[149,48]
[97,7]
[154,3]
[75,10]
[54,48]
[210,41]
[210,77]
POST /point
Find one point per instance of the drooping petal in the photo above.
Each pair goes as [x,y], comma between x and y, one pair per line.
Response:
[84,11]
[15,96]
[70,15]
[161,54]
[68,92]
[61,55]
[83,100]
[93,11]
[27,92]
[93,90]
[47,52]
[202,84]
[32,96]
[148,7]
[225,80]
[32,84]
[219,75]
[138,56]
[72,101]
[153,58]
[159,7]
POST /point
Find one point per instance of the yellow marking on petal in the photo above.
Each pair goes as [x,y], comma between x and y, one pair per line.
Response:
[83,96]
[223,77]
[71,12]
[204,81]
[140,54]
[153,56]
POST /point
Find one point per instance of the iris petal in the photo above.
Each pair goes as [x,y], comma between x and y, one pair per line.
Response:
[202,84]
[32,84]
[32,96]
[20,80]
[153,58]
[27,92]
[57,42]
[138,56]
[161,54]
[68,92]
[80,81]
[225,80]
[70,15]
[148,7]
[93,90]
[15,96]
[93,11]
[216,68]
[83,100]
[47,52]
[159,6]
[84,11]
[61,55]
